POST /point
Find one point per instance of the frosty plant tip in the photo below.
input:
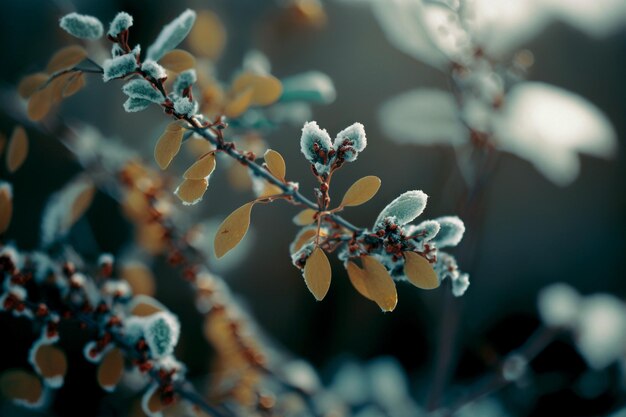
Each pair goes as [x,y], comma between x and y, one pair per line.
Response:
[391,250]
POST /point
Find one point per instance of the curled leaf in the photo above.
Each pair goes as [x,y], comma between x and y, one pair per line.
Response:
[275,164]
[66,58]
[419,271]
[232,230]
[305,217]
[21,385]
[266,88]
[168,145]
[361,191]
[29,84]
[178,60]
[317,274]
[191,191]
[379,284]
[202,168]
[111,369]
[18,149]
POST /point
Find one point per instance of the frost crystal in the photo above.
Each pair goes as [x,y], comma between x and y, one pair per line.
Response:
[120,23]
[81,26]
[142,89]
[450,232]
[184,80]
[133,105]
[171,35]
[182,105]
[312,135]
[119,66]
[460,285]
[161,331]
[405,208]
[351,141]
[154,70]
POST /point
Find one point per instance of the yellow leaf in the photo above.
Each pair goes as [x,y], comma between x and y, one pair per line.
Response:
[18,149]
[6,208]
[58,86]
[275,164]
[111,369]
[178,60]
[303,238]
[168,145]
[81,203]
[139,277]
[419,271]
[20,385]
[239,178]
[380,286]
[39,104]
[361,191]
[266,88]
[208,36]
[74,85]
[317,274]
[270,190]
[29,84]
[191,191]
[358,279]
[232,230]
[202,168]
[143,306]
[66,58]
[239,103]
[305,217]
[50,361]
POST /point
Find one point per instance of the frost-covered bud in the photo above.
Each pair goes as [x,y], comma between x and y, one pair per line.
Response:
[142,89]
[183,106]
[424,231]
[450,232]
[315,143]
[93,354]
[298,259]
[446,266]
[514,367]
[558,305]
[133,105]
[460,284]
[81,26]
[117,50]
[405,208]
[350,141]
[171,35]
[161,331]
[184,80]
[119,66]
[120,23]
[153,69]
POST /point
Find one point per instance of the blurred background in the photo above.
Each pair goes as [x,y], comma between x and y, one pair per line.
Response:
[531,232]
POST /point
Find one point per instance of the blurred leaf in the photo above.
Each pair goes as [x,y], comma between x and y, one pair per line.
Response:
[208,36]
[139,277]
[50,361]
[305,217]
[18,384]
[39,104]
[178,60]
[6,208]
[66,57]
[29,84]
[239,103]
[266,88]
[18,149]
[111,369]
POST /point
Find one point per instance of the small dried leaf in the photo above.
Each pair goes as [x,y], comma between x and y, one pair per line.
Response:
[146,306]
[29,84]
[39,104]
[81,204]
[305,217]
[380,286]
[419,271]
[239,104]
[361,191]
[202,168]
[267,88]
[317,274]
[6,209]
[178,60]
[306,236]
[191,191]
[232,230]
[111,369]
[208,36]
[139,277]
[168,145]
[51,361]
[275,164]
[20,385]
[66,58]
[18,149]
[74,85]
[270,190]
[358,279]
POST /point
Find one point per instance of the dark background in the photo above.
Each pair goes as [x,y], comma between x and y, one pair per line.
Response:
[532,232]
